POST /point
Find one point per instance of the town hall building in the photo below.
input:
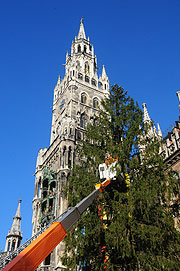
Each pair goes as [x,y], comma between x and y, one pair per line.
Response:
[76,101]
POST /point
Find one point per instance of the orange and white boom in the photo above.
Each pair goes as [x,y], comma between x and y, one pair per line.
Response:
[31,257]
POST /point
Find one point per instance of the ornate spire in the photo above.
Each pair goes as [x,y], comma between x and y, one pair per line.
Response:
[178,94]
[16,226]
[81,34]
[151,131]
[59,80]
[18,214]
[159,130]
[14,236]
[104,75]
[146,115]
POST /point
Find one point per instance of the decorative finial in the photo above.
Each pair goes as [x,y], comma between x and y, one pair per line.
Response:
[178,94]
[146,115]
[20,200]
[81,34]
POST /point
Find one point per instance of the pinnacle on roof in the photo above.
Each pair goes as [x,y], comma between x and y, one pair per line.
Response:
[178,94]
[159,130]
[104,75]
[16,226]
[81,34]
[18,214]
[59,80]
[146,115]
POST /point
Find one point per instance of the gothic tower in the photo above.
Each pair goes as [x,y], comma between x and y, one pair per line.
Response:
[14,236]
[76,101]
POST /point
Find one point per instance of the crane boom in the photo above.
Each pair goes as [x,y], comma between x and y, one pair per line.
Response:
[31,257]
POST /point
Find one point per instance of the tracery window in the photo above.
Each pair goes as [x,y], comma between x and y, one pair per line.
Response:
[86,68]
[9,244]
[79,48]
[95,103]
[83,98]
[83,121]
[13,245]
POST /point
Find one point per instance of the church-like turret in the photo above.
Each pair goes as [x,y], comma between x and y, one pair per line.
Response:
[14,236]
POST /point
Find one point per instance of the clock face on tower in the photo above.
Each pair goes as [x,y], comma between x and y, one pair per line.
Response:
[62,104]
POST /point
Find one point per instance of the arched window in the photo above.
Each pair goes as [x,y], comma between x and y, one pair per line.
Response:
[83,98]
[83,121]
[86,68]
[9,244]
[85,48]
[95,103]
[79,48]
[13,245]
[78,66]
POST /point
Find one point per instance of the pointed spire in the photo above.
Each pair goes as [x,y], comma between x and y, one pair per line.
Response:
[104,75]
[67,56]
[16,226]
[81,34]
[159,130]
[59,80]
[148,122]
[14,236]
[154,130]
[178,94]
[146,115]
[92,51]
[18,214]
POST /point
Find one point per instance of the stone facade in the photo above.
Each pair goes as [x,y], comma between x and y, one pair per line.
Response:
[76,100]
[170,147]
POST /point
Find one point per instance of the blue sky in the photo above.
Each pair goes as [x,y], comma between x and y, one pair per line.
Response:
[137,41]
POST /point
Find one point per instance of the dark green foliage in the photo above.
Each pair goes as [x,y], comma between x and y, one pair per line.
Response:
[138,230]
